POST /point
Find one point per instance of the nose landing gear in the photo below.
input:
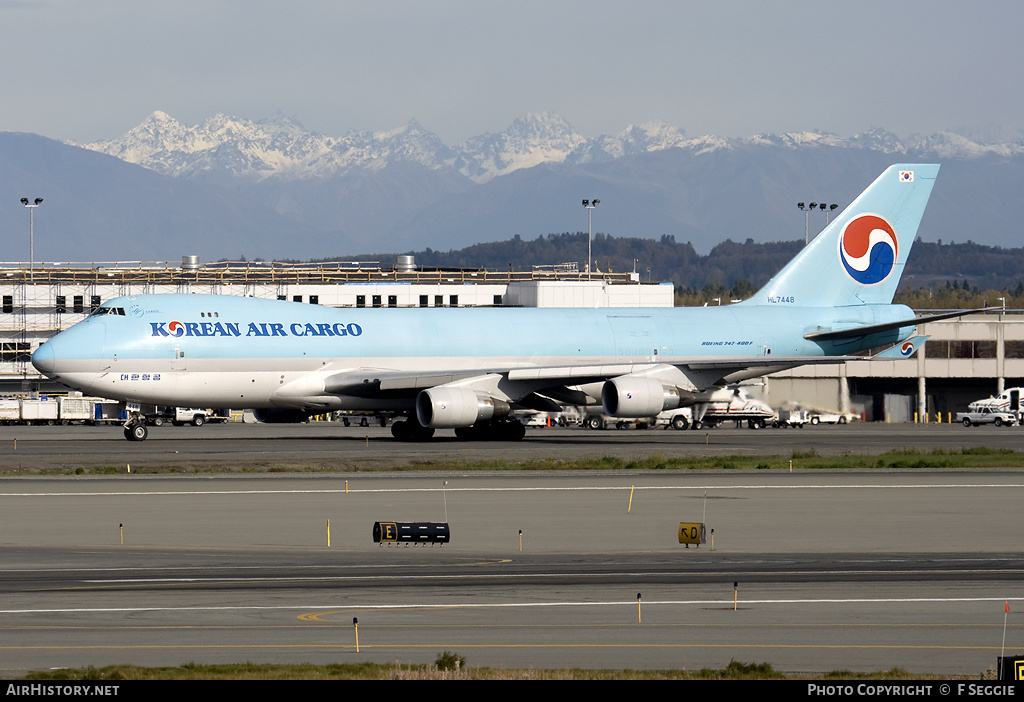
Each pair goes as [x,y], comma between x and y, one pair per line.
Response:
[135,428]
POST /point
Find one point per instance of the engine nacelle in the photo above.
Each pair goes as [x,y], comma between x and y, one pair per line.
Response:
[636,396]
[280,415]
[447,407]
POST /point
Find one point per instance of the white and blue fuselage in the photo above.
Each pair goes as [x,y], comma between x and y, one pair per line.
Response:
[462,366]
[226,351]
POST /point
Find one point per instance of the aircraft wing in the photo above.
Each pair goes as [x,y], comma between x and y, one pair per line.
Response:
[515,384]
[724,370]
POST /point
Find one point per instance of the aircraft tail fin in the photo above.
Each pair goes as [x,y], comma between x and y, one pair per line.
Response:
[859,257]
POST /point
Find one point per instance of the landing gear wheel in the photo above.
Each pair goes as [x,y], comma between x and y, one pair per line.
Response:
[492,430]
[516,431]
[136,432]
[410,430]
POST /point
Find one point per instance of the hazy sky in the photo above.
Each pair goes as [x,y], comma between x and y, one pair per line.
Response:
[87,70]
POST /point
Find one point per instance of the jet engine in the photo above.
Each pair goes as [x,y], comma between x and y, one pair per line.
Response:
[446,407]
[636,396]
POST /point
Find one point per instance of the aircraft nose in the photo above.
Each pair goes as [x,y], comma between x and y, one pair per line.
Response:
[43,358]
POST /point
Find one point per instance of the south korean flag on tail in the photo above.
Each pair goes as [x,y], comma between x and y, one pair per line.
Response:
[906,176]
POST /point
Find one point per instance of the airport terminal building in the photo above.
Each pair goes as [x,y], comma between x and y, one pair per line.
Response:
[965,359]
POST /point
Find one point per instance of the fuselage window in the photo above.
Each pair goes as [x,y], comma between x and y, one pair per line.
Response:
[119,311]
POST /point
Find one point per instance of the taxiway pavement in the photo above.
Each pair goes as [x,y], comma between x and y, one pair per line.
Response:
[857,570]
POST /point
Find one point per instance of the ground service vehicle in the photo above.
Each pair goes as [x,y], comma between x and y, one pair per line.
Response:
[829,418]
[790,418]
[726,404]
[984,413]
[178,416]
[1007,401]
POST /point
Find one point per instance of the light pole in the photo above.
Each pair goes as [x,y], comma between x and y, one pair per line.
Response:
[590,205]
[831,208]
[31,234]
[807,213]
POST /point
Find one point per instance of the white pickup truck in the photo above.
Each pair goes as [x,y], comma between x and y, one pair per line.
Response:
[983,413]
[178,416]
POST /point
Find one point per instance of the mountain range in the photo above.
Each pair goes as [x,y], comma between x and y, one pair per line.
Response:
[230,187]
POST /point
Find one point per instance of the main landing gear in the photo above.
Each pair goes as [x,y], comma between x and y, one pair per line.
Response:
[410,430]
[491,430]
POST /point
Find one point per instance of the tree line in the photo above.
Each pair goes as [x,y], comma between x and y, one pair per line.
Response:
[937,274]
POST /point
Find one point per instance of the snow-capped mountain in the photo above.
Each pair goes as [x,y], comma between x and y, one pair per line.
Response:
[280,148]
[275,147]
[530,141]
[273,189]
[635,139]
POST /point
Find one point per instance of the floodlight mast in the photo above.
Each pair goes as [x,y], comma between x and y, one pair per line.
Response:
[807,211]
[806,215]
[31,234]
[590,205]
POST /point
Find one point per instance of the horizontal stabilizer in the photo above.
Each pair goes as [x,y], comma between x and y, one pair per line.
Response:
[864,330]
[904,349]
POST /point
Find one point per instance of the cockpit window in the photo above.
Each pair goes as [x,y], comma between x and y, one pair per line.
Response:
[119,311]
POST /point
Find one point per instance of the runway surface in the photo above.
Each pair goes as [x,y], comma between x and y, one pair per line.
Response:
[859,570]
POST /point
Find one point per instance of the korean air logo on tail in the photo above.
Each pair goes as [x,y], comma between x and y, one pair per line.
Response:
[868,249]
[907,349]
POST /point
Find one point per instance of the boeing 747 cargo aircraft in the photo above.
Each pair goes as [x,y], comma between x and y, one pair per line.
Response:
[467,368]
